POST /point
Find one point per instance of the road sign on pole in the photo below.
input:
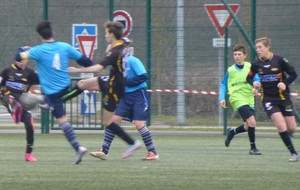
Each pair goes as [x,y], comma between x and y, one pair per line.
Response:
[220,17]
[125,18]
[84,30]
[87,44]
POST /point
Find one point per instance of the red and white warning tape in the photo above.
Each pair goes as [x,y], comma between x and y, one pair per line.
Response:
[175,91]
[184,91]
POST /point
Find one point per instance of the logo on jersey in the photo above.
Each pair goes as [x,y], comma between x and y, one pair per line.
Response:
[270,78]
[285,60]
[274,69]
[19,74]
[267,66]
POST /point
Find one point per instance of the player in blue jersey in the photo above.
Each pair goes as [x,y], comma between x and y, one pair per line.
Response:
[241,97]
[52,65]
[133,106]
[112,86]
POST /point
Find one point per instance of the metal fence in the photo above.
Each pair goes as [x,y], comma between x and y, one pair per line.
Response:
[173,38]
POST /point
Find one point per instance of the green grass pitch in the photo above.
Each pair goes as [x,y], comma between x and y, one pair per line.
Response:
[186,162]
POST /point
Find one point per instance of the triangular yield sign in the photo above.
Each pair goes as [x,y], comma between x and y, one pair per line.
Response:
[219,15]
[87,44]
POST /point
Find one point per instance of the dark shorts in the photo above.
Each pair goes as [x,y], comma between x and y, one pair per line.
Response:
[133,106]
[246,112]
[56,103]
[285,107]
[111,93]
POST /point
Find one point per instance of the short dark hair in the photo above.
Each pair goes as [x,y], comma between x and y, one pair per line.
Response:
[44,29]
[115,27]
[239,47]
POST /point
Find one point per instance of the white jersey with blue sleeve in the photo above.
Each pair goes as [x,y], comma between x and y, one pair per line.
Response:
[134,67]
[52,64]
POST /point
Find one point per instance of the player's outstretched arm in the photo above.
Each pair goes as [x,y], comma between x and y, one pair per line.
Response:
[84,61]
[91,69]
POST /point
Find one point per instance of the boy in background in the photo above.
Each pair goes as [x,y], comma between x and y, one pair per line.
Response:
[241,97]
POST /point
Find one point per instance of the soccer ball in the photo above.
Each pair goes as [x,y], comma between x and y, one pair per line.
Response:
[30,101]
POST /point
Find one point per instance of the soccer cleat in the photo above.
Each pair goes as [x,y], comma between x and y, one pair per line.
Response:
[30,158]
[131,149]
[254,152]
[99,154]
[293,158]
[81,151]
[229,137]
[151,156]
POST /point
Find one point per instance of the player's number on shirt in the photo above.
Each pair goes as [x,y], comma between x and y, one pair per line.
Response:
[56,62]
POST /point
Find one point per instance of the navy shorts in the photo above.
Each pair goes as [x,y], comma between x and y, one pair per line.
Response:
[246,112]
[56,103]
[133,106]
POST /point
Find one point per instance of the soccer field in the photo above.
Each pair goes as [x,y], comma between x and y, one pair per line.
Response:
[186,162]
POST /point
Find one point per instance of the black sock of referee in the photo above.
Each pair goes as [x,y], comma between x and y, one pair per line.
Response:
[120,132]
[251,135]
[287,141]
[75,91]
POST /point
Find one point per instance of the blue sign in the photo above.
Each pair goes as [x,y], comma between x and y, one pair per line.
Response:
[88,103]
[83,29]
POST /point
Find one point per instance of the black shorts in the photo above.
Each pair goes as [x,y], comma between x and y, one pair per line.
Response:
[111,93]
[246,112]
[284,106]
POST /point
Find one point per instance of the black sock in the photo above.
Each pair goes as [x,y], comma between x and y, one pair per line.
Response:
[27,120]
[251,135]
[75,91]
[121,133]
[287,141]
[240,129]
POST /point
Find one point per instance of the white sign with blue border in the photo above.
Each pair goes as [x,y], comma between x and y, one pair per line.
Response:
[83,29]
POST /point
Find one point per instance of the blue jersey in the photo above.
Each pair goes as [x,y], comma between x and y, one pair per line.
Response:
[52,64]
[134,67]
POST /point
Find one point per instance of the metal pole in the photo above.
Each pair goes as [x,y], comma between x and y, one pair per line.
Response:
[45,121]
[225,67]
[111,9]
[180,62]
[238,24]
[148,54]
[253,28]
[45,10]
[220,74]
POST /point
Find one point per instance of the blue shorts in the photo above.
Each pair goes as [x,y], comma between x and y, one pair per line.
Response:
[56,103]
[133,106]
